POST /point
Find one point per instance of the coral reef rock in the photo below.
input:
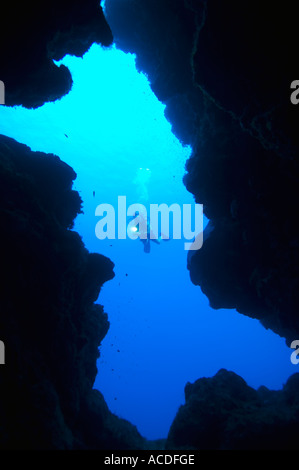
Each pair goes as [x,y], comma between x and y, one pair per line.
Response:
[224,413]
[49,321]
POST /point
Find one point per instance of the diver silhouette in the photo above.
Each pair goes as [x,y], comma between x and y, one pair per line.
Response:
[146,234]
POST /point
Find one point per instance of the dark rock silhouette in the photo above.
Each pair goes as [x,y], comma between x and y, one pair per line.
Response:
[49,322]
[35,33]
[224,413]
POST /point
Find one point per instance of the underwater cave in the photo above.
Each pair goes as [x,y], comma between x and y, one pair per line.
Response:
[116,344]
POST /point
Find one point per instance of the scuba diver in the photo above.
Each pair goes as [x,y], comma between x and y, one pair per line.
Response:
[145,232]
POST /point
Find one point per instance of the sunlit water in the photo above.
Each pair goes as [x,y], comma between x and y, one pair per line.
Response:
[111,129]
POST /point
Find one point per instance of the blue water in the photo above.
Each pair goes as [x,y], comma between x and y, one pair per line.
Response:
[111,129]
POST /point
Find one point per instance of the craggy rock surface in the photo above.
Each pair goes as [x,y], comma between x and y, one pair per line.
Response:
[49,322]
[34,33]
[224,413]
[223,72]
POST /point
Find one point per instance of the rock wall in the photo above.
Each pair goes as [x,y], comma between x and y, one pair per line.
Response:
[222,70]
[49,322]
[224,413]
[33,34]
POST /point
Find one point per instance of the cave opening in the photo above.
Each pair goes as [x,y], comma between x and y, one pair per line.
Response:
[112,130]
